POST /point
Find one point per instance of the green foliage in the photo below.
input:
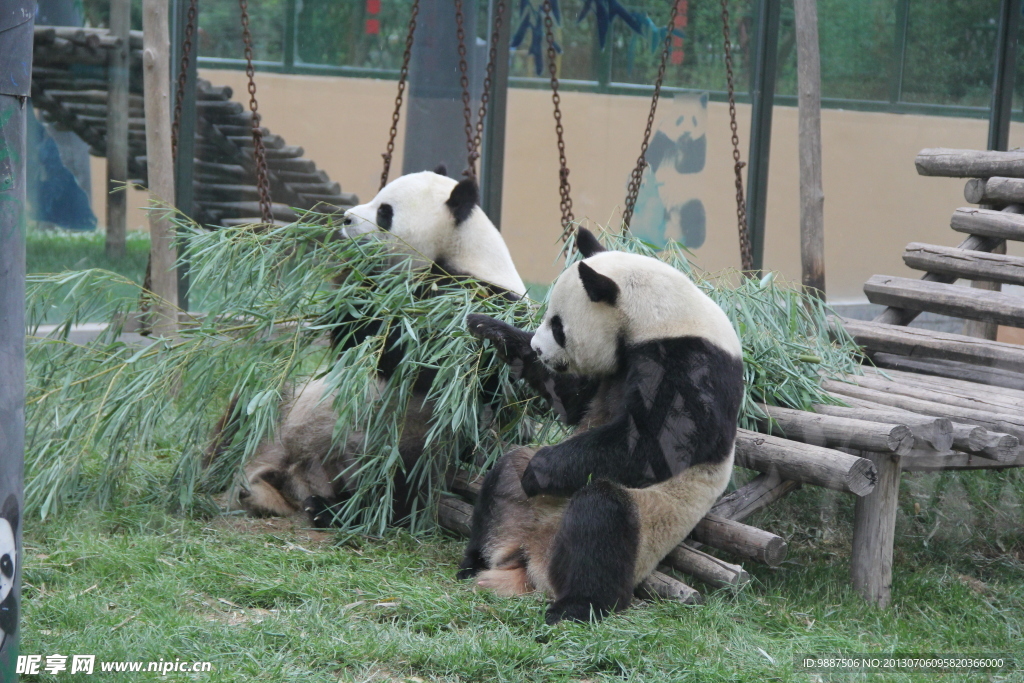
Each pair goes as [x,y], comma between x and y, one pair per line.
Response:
[116,417]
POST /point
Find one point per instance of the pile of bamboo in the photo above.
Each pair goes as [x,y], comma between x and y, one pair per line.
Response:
[70,91]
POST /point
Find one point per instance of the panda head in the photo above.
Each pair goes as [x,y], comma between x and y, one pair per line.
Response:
[434,219]
[8,549]
[612,300]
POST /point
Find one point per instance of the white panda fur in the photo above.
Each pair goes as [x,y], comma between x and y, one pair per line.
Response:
[658,371]
[435,221]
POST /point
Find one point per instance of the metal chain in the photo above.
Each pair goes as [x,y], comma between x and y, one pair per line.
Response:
[259,153]
[467,113]
[474,137]
[403,76]
[563,170]
[641,161]
[186,53]
[746,254]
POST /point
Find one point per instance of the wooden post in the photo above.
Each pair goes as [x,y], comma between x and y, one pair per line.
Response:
[812,198]
[874,530]
[117,128]
[156,86]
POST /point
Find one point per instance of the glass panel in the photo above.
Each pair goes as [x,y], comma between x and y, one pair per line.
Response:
[857,39]
[576,37]
[950,52]
[348,33]
[220,29]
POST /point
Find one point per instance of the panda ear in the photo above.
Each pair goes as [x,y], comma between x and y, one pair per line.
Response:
[441,169]
[10,511]
[463,198]
[587,243]
[598,287]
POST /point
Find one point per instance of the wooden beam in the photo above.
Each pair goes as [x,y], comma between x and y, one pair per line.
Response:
[952,460]
[994,190]
[1009,397]
[969,163]
[754,496]
[951,369]
[740,539]
[918,343]
[960,302]
[707,568]
[874,531]
[969,265]
[117,130]
[812,196]
[1002,225]
[935,394]
[804,462]
[929,432]
[156,83]
[997,422]
[838,432]
[664,587]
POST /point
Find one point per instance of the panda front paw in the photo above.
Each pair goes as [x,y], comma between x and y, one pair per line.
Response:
[319,510]
[510,342]
[573,611]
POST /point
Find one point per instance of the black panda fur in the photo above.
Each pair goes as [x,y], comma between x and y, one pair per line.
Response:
[435,221]
[588,519]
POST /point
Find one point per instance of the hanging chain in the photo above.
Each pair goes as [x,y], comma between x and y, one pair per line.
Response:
[641,161]
[746,255]
[563,170]
[403,76]
[467,112]
[186,53]
[259,153]
[474,136]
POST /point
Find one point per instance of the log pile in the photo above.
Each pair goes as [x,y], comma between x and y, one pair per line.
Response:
[69,90]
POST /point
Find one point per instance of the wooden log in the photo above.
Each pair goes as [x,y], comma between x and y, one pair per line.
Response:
[929,432]
[928,393]
[270,141]
[969,265]
[302,165]
[874,531]
[953,460]
[994,190]
[969,163]
[454,515]
[804,462]
[288,152]
[918,343]
[238,209]
[997,422]
[317,176]
[740,539]
[232,131]
[117,130]
[215,109]
[754,496]
[317,188]
[985,330]
[709,569]
[1012,398]
[1002,225]
[904,316]
[660,585]
[960,302]
[43,35]
[163,253]
[812,197]
[224,192]
[834,432]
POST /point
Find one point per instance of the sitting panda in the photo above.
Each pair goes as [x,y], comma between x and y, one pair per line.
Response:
[651,371]
[436,222]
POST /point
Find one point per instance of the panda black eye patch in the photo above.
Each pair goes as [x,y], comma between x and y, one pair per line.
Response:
[7,566]
[385,214]
[558,331]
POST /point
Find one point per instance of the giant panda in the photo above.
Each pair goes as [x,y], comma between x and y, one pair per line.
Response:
[651,371]
[436,222]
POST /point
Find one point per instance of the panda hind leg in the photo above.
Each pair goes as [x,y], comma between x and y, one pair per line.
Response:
[501,517]
[505,582]
[594,554]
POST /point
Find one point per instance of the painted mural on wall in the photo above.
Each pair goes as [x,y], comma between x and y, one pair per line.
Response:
[669,206]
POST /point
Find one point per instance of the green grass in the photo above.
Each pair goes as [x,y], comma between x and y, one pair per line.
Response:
[264,600]
[55,251]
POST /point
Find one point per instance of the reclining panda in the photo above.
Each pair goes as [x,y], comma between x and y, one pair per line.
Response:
[436,222]
[651,371]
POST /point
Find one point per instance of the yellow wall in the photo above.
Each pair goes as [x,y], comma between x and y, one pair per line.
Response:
[875,203]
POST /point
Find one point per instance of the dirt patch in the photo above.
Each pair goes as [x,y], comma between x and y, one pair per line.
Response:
[294,528]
